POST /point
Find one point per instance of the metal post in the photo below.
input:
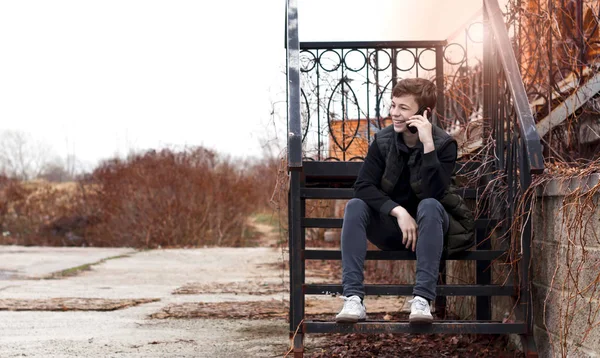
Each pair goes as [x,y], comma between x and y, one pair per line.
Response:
[368,95]
[439,81]
[296,264]
[525,296]
[483,276]
[487,71]
[483,304]
[394,66]
[298,288]
[497,121]
[291,249]
[295,167]
[318,108]
[293,88]
[441,301]
[525,299]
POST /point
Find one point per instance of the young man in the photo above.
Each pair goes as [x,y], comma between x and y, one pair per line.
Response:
[402,201]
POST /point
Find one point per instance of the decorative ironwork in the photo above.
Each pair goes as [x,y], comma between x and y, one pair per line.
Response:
[347,88]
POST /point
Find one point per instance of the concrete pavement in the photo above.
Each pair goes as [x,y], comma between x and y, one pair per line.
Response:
[139,274]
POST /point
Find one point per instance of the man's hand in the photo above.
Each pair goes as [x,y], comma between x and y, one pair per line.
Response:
[424,129]
[408,226]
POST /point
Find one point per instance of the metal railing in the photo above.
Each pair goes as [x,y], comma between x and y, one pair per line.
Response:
[346,88]
[518,151]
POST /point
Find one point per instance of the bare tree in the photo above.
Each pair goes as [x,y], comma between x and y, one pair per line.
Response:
[22,157]
[270,141]
[57,170]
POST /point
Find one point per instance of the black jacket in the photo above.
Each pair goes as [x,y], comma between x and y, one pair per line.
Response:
[386,181]
[436,172]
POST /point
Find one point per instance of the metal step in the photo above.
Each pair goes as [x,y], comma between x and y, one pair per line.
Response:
[348,193]
[407,290]
[344,169]
[484,255]
[328,170]
[336,223]
[441,326]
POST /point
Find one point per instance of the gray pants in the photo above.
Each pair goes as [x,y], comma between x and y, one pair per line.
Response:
[362,222]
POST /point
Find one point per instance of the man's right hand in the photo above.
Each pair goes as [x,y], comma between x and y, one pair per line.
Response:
[408,226]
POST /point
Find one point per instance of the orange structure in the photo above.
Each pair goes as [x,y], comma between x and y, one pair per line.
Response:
[568,17]
[349,139]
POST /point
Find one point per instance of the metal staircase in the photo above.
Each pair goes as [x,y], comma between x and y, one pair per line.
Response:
[515,157]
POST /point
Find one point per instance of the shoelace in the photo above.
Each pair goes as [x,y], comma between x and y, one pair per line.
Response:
[352,303]
[422,306]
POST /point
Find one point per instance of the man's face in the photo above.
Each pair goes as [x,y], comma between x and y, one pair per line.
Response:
[401,110]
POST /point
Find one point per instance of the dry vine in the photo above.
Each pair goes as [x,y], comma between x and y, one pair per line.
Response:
[557,48]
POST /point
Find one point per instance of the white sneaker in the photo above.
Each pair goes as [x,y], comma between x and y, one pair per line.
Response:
[406,305]
[420,311]
[354,310]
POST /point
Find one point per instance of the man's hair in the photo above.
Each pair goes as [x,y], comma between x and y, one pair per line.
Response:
[424,91]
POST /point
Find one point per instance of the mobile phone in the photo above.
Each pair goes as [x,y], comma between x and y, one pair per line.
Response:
[419,113]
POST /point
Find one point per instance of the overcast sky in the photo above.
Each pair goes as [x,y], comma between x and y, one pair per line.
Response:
[99,78]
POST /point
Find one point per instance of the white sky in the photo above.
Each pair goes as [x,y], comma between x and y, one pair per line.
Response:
[98,78]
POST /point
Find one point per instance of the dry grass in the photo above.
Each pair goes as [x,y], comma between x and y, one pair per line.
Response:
[155,199]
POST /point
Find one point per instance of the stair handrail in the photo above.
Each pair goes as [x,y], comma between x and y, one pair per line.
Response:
[527,128]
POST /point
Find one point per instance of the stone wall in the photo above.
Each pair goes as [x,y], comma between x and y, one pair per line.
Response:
[566,268]
[565,271]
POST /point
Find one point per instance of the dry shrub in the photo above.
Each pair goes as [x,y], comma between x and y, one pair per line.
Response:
[35,213]
[165,199]
[193,197]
